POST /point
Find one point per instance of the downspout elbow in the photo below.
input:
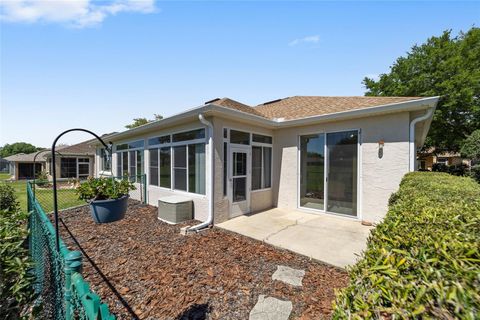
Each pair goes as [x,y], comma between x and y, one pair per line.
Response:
[210,183]
[412,149]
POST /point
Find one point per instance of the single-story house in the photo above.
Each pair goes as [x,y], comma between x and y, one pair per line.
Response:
[22,165]
[75,161]
[325,155]
[427,158]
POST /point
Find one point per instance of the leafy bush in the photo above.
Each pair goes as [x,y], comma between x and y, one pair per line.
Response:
[423,260]
[8,199]
[471,146]
[15,279]
[460,170]
[41,179]
[475,172]
[103,189]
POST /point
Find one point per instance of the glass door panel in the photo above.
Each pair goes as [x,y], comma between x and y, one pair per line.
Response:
[312,157]
[239,176]
[342,172]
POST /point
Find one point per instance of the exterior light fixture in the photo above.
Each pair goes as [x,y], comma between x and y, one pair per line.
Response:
[381,144]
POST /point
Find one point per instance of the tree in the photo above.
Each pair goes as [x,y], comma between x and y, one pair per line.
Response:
[444,66]
[137,122]
[17,147]
[471,146]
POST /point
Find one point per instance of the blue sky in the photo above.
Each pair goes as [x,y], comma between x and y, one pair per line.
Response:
[100,64]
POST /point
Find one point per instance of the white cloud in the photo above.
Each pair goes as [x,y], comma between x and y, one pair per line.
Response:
[309,39]
[75,13]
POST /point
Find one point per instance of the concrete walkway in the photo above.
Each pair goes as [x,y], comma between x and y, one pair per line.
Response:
[334,240]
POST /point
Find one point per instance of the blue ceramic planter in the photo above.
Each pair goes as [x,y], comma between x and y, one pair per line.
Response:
[104,211]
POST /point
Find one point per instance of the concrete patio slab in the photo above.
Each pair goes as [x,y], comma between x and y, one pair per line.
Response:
[331,239]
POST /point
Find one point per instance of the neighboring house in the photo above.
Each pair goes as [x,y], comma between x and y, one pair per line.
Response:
[4,165]
[428,158]
[338,155]
[22,166]
[75,161]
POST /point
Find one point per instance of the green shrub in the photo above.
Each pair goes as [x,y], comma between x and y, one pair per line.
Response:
[15,279]
[8,199]
[423,260]
[475,172]
[103,189]
[41,179]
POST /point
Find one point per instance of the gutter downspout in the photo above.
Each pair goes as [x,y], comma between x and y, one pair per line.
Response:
[210,184]
[412,150]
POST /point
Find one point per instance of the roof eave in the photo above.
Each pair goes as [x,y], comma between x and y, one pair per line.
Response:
[212,109]
[412,105]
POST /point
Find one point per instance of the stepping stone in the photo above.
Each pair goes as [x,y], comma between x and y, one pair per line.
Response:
[289,275]
[271,309]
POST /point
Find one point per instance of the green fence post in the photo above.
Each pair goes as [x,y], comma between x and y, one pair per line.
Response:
[73,263]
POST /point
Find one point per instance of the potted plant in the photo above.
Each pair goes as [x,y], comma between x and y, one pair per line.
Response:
[41,179]
[108,197]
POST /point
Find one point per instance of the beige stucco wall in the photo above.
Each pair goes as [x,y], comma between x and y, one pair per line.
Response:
[261,200]
[200,202]
[379,177]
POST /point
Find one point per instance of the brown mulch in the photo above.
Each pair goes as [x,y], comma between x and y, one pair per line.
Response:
[215,274]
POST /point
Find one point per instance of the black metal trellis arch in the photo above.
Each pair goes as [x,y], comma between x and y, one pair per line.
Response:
[108,148]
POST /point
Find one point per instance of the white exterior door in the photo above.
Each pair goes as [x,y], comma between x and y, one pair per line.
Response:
[239,180]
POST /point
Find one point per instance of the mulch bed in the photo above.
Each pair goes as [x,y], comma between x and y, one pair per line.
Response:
[215,274]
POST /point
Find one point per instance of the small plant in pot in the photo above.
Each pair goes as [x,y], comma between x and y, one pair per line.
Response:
[108,198]
[41,179]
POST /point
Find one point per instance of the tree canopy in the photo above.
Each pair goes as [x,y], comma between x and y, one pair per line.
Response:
[471,146]
[443,66]
[137,122]
[17,147]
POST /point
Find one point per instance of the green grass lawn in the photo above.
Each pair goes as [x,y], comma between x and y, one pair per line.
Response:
[66,197]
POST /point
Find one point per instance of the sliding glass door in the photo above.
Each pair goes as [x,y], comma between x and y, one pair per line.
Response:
[342,172]
[328,172]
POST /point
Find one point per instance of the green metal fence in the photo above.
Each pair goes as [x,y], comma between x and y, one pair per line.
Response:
[67,197]
[62,291]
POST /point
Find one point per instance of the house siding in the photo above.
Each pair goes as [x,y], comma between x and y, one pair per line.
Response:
[379,177]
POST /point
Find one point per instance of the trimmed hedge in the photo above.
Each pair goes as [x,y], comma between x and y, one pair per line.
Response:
[423,260]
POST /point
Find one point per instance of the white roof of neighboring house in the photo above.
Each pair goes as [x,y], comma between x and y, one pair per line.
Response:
[28,157]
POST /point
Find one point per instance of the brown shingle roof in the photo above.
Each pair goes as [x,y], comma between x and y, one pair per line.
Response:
[232,104]
[82,148]
[298,107]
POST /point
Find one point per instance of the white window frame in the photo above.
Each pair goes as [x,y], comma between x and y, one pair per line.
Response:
[250,145]
[359,175]
[264,145]
[77,165]
[171,145]
[102,162]
[119,155]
